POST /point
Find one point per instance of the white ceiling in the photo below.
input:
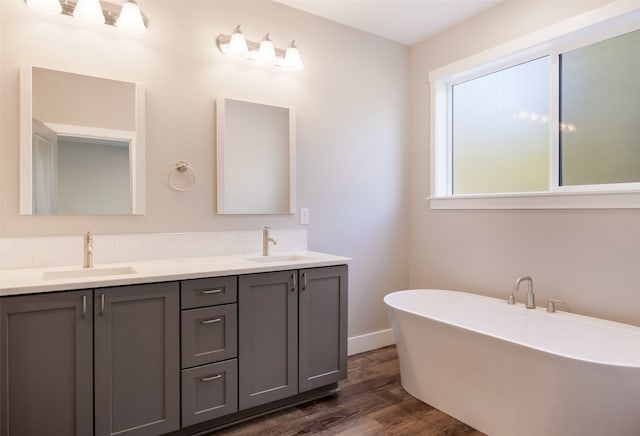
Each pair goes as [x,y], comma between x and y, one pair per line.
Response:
[404,21]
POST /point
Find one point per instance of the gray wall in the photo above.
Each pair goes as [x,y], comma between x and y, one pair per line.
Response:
[351,102]
[589,258]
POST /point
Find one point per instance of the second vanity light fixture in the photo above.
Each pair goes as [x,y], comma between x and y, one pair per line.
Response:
[128,18]
[265,52]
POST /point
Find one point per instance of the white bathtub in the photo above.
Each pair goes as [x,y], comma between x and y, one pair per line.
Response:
[510,371]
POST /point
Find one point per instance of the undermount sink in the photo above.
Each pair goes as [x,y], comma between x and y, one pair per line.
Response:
[88,272]
[283,258]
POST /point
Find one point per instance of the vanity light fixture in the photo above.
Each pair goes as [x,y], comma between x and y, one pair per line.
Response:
[264,52]
[127,17]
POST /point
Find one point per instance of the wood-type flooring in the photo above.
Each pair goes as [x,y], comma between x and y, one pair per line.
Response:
[370,402]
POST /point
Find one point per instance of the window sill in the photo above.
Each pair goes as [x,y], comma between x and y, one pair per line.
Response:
[539,200]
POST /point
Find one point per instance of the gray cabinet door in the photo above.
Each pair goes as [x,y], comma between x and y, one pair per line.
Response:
[47,369]
[323,326]
[268,337]
[137,359]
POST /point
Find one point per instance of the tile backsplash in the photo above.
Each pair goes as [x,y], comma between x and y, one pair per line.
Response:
[45,251]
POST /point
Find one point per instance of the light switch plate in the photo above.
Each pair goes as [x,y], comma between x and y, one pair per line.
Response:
[304,215]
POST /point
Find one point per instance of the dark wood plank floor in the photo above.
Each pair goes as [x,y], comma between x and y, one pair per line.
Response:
[370,402]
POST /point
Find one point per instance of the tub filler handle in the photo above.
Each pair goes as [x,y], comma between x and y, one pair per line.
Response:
[551,308]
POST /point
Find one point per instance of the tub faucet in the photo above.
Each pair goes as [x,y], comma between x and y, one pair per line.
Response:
[531,298]
[88,250]
[265,240]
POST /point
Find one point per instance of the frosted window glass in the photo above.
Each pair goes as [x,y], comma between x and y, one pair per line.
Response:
[501,131]
[600,112]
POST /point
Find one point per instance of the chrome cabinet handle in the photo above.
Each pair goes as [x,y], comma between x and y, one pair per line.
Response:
[295,285]
[211,291]
[84,306]
[211,378]
[101,304]
[210,321]
[304,281]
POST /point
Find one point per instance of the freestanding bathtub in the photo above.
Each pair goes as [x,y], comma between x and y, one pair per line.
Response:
[510,371]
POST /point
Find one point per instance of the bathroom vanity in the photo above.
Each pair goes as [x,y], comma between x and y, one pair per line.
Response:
[169,347]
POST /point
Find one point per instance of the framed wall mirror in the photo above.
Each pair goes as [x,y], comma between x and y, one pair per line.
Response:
[255,153]
[82,144]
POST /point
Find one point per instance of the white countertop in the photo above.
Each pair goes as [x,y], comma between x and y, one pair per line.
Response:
[36,280]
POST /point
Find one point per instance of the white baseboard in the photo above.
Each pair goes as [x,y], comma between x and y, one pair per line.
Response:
[370,341]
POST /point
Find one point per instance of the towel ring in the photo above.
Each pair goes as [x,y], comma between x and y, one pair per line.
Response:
[182,167]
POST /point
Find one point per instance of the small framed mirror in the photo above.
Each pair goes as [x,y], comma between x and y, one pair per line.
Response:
[82,144]
[255,153]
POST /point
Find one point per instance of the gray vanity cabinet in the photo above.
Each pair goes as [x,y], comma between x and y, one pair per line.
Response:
[46,385]
[323,326]
[292,332]
[268,337]
[137,359]
[150,359]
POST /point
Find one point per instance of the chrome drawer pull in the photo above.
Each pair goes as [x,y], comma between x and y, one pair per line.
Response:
[212,378]
[210,321]
[211,291]
[102,304]
[295,284]
[84,305]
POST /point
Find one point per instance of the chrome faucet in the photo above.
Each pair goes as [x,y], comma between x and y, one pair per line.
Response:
[265,240]
[88,250]
[531,298]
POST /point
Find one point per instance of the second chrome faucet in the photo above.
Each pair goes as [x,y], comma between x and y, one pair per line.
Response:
[88,250]
[265,240]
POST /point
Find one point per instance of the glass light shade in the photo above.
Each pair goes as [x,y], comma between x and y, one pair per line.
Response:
[46,6]
[292,60]
[130,19]
[237,44]
[89,11]
[267,52]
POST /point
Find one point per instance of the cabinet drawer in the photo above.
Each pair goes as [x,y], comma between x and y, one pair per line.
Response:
[209,334]
[207,292]
[209,391]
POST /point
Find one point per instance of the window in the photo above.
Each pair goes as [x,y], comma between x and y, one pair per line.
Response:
[600,112]
[554,124]
[500,131]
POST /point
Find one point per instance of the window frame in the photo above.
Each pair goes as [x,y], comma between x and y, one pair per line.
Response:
[597,25]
